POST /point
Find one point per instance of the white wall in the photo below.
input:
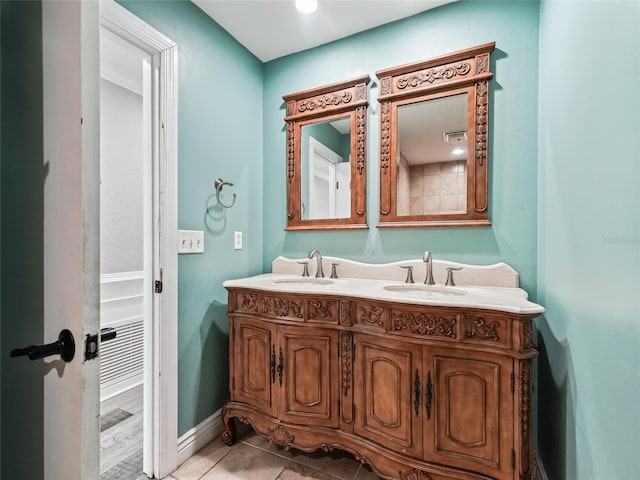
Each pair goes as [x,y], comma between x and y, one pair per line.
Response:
[121,220]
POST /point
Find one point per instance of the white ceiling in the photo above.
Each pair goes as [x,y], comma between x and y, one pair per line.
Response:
[274,28]
[422,127]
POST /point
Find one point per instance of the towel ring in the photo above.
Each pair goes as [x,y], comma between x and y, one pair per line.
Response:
[219,183]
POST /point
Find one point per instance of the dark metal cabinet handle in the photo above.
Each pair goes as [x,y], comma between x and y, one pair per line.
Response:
[280,367]
[429,395]
[65,346]
[272,364]
[416,393]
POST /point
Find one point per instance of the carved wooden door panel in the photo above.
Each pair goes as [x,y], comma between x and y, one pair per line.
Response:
[466,395]
[308,376]
[253,364]
[387,385]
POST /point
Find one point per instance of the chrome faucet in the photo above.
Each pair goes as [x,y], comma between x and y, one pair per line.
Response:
[426,257]
[316,254]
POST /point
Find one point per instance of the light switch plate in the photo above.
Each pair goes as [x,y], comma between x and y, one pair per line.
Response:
[190,241]
[237,240]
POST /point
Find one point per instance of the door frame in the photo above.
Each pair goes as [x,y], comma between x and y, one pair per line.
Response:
[160,340]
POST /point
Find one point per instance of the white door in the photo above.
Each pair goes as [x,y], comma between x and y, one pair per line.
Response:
[51,421]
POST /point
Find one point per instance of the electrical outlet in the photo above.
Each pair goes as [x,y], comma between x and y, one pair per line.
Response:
[237,240]
[190,241]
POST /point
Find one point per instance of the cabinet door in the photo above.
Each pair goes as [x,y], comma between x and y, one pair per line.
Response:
[387,392]
[309,364]
[468,411]
[253,364]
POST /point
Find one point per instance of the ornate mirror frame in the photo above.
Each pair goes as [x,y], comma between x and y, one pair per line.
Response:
[329,102]
[458,72]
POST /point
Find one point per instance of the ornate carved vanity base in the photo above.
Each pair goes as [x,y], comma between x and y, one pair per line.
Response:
[417,392]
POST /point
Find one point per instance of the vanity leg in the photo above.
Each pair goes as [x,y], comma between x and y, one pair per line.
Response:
[229,434]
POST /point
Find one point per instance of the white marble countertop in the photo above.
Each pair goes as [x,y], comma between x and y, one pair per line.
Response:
[504,299]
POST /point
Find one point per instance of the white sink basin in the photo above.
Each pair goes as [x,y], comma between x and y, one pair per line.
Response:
[417,290]
[303,281]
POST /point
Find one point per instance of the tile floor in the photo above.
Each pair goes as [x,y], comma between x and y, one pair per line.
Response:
[253,458]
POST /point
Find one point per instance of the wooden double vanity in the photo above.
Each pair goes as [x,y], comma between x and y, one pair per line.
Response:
[420,383]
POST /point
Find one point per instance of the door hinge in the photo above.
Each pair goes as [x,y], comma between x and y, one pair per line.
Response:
[513,459]
[513,382]
[158,284]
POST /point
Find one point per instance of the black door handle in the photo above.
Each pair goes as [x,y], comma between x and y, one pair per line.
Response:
[65,346]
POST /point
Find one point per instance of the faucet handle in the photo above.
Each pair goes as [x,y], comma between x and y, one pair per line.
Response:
[450,271]
[305,268]
[334,274]
[409,273]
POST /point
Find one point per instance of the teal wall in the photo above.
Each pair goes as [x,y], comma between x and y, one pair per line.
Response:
[513,146]
[219,135]
[589,240]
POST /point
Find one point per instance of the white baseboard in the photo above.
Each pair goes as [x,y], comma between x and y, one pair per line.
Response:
[540,472]
[120,398]
[199,436]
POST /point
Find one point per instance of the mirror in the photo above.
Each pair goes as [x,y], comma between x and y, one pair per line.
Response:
[325,169]
[326,156]
[434,121]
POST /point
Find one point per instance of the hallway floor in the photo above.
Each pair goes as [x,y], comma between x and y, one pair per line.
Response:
[253,458]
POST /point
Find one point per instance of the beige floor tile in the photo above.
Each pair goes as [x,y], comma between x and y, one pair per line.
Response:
[338,464]
[262,443]
[365,473]
[296,471]
[200,463]
[245,462]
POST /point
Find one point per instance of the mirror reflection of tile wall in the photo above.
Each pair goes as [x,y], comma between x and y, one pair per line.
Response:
[438,188]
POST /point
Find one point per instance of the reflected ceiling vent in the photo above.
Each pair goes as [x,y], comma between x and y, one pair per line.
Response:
[454,137]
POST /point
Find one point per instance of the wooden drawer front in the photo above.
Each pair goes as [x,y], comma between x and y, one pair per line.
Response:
[324,311]
[371,315]
[246,302]
[282,307]
[486,330]
[425,323]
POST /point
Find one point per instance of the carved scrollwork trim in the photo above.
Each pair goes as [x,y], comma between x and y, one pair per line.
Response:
[526,385]
[345,313]
[525,390]
[372,314]
[361,136]
[476,327]
[346,343]
[248,301]
[291,168]
[319,309]
[280,436]
[482,63]
[433,75]
[282,307]
[482,109]
[361,92]
[324,101]
[527,334]
[385,86]
[424,324]
[385,158]
[414,474]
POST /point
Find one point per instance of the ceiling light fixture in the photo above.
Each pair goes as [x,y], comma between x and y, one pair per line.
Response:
[307,6]
[458,151]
